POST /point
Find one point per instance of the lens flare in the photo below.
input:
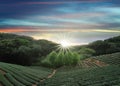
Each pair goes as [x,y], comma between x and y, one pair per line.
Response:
[65,43]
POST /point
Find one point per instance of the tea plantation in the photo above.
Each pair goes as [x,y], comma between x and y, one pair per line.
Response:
[95,71]
[106,76]
[110,58]
[15,75]
[94,75]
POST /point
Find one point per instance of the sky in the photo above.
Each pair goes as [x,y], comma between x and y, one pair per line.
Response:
[79,21]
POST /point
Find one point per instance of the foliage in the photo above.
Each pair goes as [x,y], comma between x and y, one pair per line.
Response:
[93,76]
[113,59]
[61,59]
[22,49]
[86,52]
[88,77]
[66,76]
[102,47]
[16,75]
[107,46]
[13,80]
[25,50]
[4,81]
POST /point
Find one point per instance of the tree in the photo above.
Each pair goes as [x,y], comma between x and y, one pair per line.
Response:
[86,52]
[61,59]
[52,56]
[23,50]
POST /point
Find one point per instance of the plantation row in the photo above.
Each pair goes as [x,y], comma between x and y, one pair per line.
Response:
[15,75]
[102,70]
[110,58]
[103,76]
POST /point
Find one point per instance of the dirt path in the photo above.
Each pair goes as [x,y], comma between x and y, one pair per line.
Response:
[1,84]
[49,76]
[2,71]
[97,62]
[90,62]
[52,74]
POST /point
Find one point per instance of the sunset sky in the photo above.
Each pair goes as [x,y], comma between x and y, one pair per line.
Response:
[79,21]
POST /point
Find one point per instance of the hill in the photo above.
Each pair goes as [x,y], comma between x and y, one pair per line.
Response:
[16,75]
[113,59]
[94,71]
[102,47]
[104,75]
[88,77]
[23,50]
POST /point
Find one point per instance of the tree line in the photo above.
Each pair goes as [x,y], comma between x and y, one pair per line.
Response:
[25,50]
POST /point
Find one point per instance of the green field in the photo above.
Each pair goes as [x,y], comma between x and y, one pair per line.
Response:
[95,75]
[113,59]
[15,75]
[96,71]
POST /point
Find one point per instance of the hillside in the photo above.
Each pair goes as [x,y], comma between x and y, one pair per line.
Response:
[88,77]
[16,75]
[107,46]
[104,71]
[94,71]
[23,50]
[113,59]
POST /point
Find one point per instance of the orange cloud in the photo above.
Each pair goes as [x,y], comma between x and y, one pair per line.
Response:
[11,30]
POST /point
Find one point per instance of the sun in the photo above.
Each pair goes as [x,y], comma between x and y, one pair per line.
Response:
[65,43]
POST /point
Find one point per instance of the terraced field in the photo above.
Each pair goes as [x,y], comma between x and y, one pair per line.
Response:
[113,59]
[96,71]
[105,76]
[15,75]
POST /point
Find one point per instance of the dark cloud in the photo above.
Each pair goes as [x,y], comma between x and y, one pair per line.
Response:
[86,20]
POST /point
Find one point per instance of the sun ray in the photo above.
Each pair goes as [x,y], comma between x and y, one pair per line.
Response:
[64,43]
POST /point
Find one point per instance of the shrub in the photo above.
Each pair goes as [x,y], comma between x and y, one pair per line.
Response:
[59,61]
[62,58]
[52,57]
[46,62]
[76,58]
[4,81]
[86,52]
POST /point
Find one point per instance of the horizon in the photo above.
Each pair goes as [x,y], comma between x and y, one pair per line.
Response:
[78,21]
[58,42]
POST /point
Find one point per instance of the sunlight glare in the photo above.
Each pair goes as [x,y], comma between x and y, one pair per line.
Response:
[65,43]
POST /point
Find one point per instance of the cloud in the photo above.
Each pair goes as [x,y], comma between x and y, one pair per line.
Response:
[47,30]
[110,9]
[14,22]
[61,2]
